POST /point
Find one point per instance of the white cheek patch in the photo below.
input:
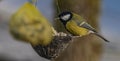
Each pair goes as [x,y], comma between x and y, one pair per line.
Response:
[66,17]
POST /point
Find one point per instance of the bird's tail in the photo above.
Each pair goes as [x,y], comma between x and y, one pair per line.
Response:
[101,37]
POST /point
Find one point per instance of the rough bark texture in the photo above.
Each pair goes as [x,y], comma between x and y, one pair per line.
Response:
[82,49]
[87,48]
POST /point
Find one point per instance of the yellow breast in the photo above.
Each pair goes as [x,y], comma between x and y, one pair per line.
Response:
[76,30]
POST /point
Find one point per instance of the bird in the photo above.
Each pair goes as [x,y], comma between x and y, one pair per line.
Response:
[76,24]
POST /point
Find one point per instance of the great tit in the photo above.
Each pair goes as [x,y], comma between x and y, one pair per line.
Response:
[76,25]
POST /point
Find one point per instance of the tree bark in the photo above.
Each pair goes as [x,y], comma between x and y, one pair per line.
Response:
[87,48]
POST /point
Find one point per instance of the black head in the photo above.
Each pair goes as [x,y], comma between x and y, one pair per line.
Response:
[65,17]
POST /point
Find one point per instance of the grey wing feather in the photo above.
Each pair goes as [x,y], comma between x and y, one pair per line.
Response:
[89,27]
[85,25]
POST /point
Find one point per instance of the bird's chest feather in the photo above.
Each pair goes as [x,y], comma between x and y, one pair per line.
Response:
[76,30]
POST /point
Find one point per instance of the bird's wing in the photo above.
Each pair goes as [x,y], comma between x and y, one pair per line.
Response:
[89,27]
[86,25]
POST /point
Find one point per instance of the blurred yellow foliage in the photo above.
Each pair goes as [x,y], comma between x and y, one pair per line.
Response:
[29,25]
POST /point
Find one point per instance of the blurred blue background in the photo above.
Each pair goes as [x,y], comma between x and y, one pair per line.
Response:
[18,51]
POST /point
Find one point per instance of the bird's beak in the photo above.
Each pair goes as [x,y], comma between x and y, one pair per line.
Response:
[57,18]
